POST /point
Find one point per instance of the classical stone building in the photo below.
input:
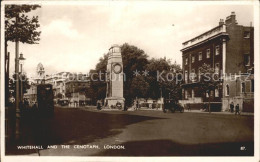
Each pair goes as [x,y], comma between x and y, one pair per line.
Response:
[40,74]
[31,93]
[229,49]
[75,89]
[58,82]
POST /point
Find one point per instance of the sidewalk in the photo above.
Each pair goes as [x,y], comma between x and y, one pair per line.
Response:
[222,112]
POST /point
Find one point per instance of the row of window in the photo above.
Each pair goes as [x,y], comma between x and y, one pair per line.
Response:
[227,90]
[217,52]
[243,88]
[192,76]
[187,95]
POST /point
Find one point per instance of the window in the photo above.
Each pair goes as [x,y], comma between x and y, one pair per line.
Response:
[208,53]
[217,50]
[227,90]
[246,34]
[207,94]
[199,75]
[216,92]
[186,76]
[186,94]
[193,59]
[192,93]
[217,68]
[247,59]
[200,56]
[243,87]
[192,75]
[186,61]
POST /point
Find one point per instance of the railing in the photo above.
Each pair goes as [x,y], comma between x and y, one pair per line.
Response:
[200,38]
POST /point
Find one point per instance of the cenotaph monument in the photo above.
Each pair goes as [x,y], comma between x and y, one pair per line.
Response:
[115,78]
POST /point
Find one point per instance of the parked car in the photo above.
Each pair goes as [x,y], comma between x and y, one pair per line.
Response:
[172,106]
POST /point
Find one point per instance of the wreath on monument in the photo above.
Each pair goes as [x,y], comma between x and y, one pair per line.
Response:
[117,71]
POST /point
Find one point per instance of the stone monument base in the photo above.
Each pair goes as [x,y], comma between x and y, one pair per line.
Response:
[111,102]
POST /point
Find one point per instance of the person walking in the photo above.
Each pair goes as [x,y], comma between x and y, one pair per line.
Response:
[98,105]
[237,110]
[137,104]
[232,107]
[188,105]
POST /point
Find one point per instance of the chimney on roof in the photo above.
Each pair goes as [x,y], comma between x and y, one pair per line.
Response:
[221,22]
[231,19]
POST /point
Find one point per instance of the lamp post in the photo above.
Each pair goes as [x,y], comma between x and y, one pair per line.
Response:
[17,109]
[73,96]
[21,61]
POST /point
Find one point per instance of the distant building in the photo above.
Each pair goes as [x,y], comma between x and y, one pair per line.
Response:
[75,89]
[229,49]
[31,93]
[58,82]
[66,85]
[39,79]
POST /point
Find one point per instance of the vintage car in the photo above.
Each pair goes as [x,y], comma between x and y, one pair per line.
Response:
[171,106]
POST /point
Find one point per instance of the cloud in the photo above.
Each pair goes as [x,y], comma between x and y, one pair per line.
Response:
[61,27]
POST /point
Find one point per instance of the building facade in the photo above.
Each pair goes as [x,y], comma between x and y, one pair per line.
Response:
[75,89]
[229,50]
[58,82]
[66,85]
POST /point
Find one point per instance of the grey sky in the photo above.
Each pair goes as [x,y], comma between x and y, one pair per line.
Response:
[74,37]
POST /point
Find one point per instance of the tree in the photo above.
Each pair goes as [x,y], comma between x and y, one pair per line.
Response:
[172,82]
[139,87]
[97,89]
[158,69]
[208,80]
[23,80]
[134,60]
[19,27]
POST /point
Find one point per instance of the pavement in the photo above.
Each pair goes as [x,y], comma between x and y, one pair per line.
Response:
[222,112]
[186,111]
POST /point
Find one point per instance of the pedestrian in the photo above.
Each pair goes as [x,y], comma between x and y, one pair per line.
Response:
[232,107]
[237,110]
[189,109]
[137,105]
[98,105]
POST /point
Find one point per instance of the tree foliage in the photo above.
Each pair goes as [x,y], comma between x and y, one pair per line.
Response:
[208,79]
[139,87]
[19,26]
[23,80]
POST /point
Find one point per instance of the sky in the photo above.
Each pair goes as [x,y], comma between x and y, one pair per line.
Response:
[74,37]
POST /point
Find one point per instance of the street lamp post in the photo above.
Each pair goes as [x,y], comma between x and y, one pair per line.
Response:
[73,96]
[21,61]
[17,110]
